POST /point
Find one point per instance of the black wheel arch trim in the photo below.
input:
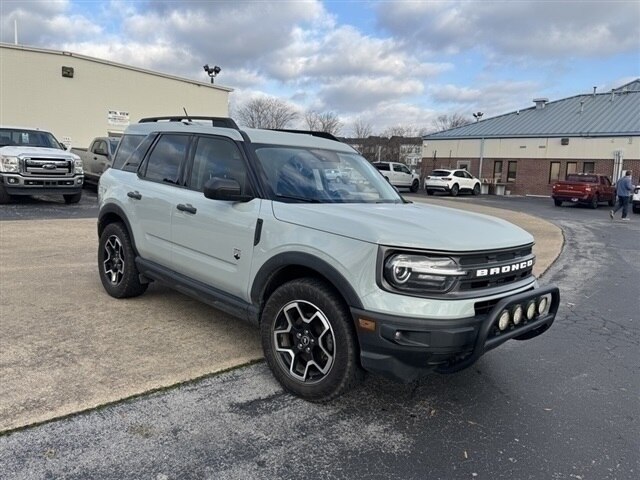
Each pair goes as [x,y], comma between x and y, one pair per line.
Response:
[299,259]
[109,210]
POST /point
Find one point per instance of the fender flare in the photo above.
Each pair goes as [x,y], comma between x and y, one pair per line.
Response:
[111,210]
[292,259]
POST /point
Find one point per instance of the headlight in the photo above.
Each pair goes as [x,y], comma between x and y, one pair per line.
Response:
[9,164]
[421,274]
[78,166]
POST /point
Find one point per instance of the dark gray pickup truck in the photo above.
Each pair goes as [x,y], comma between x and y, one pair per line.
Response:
[98,157]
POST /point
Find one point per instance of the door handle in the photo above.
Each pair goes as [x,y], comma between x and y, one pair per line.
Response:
[187,208]
[136,195]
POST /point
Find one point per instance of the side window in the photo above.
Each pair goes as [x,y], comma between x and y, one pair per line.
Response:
[497,171]
[163,164]
[384,167]
[554,172]
[100,148]
[397,168]
[588,167]
[219,158]
[458,174]
[127,145]
[404,169]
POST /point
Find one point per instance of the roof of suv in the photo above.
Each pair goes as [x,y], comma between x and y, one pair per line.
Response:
[255,135]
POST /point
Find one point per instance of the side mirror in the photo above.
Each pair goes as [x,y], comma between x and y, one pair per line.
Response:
[224,189]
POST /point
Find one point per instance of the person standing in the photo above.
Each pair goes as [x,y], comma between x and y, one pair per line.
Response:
[624,188]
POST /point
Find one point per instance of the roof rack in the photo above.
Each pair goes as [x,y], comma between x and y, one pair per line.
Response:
[224,122]
[326,135]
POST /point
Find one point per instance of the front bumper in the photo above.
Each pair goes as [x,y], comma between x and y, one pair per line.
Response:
[404,349]
[35,185]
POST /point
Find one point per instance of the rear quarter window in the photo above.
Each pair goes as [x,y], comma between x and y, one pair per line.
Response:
[127,145]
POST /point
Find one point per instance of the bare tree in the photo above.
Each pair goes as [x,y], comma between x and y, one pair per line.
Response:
[266,112]
[445,122]
[323,122]
[400,131]
[361,128]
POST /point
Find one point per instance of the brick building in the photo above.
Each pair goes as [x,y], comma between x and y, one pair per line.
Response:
[528,150]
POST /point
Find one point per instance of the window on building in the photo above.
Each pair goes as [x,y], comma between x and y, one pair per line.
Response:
[497,171]
[511,172]
[554,172]
[572,167]
[589,167]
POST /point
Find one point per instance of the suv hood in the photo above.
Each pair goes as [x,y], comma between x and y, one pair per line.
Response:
[26,151]
[406,225]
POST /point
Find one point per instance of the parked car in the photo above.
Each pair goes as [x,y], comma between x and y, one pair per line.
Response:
[635,200]
[452,182]
[98,157]
[399,175]
[339,278]
[34,162]
[586,188]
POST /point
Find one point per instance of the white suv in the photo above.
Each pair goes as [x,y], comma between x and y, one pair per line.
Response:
[451,181]
[635,200]
[341,277]
[399,175]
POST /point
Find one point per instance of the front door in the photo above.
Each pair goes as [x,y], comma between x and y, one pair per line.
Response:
[213,239]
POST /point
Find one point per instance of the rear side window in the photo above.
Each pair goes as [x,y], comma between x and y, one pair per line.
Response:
[382,166]
[166,158]
[127,145]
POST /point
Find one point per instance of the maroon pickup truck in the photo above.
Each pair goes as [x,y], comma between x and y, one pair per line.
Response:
[587,188]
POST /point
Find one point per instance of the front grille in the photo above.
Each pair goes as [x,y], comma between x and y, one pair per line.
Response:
[495,269]
[48,167]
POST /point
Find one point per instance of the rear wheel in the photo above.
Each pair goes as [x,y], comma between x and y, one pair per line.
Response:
[414,186]
[454,190]
[74,198]
[476,189]
[116,263]
[309,340]
[594,202]
[557,203]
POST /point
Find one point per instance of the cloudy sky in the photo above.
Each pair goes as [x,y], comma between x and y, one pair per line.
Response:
[389,63]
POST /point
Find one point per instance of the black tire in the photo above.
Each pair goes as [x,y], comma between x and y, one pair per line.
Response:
[414,186]
[557,203]
[303,322]
[116,263]
[4,196]
[635,209]
[454,190]
[595,200]
[476,189]
[73,198]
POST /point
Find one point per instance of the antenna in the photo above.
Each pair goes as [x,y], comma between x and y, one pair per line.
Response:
[186,114]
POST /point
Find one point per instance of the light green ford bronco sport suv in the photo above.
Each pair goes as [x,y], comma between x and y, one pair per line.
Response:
[342,276]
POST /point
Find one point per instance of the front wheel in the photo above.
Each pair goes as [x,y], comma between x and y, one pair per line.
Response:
[309,340]
[454,190]
[73,198]
[594,202]
[116,263]
[4,196]
[414,186]
[476,189]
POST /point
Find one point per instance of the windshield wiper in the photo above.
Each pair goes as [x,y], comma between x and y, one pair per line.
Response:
[300,199]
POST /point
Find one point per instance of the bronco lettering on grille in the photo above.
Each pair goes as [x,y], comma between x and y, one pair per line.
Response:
[514,267]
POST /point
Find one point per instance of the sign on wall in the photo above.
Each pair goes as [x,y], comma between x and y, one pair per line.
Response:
[115,117]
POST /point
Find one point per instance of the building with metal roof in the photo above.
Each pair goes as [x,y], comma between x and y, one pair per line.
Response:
[526,151]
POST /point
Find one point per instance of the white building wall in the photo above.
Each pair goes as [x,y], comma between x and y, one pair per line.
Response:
[33,93]
[579,148]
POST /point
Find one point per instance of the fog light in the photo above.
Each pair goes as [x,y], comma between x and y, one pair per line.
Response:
[517,314]
[531,310]
[12,180]
[542,305]
[503,321]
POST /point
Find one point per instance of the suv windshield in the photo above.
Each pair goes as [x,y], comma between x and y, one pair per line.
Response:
[322,176]
[29,138]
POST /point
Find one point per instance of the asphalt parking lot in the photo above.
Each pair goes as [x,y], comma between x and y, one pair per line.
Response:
[561,406]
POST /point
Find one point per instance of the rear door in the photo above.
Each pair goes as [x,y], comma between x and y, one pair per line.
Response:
[153,195]
[213,239]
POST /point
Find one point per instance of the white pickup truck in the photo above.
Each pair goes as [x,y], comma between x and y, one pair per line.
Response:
[33,162]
